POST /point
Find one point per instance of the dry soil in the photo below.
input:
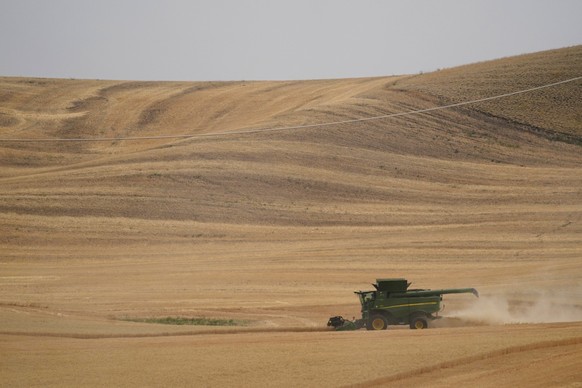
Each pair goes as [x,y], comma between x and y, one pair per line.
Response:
[277,228]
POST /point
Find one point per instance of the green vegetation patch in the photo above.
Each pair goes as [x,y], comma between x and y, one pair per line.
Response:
[189,321]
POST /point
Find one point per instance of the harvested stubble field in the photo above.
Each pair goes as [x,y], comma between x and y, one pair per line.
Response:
[275,230]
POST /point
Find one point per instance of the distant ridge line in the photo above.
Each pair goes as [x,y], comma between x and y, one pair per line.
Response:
[274,129]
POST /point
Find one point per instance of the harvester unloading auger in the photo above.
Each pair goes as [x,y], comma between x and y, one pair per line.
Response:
[392,303]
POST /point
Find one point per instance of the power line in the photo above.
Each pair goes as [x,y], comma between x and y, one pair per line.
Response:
[259,130]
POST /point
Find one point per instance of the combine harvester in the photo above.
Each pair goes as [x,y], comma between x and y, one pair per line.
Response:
[392,303]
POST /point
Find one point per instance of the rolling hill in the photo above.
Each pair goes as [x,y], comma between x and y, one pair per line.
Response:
[276,227]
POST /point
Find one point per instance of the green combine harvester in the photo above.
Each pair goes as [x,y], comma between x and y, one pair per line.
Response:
[392,303]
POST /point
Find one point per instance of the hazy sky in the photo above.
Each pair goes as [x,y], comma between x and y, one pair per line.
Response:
[271,39]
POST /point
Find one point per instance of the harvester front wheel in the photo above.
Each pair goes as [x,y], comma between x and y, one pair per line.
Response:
[378,322]
[418,322]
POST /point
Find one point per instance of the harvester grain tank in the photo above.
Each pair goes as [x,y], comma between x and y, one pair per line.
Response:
[393,303]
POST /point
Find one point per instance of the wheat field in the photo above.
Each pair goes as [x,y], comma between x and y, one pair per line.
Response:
[276,229]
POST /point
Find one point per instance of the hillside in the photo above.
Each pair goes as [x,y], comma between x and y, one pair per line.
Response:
[267,177]
[277,228]
[555,114]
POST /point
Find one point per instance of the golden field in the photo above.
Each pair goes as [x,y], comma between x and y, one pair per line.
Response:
[277,228]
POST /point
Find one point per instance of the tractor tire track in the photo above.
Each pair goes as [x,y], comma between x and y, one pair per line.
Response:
[399,377]
[169,334]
